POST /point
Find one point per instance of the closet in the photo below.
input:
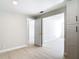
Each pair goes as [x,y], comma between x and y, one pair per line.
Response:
[71,29]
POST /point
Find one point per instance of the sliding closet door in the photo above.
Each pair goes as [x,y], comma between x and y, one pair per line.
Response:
[38,32]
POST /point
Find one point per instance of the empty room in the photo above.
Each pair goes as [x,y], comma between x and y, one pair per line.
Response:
[39,29]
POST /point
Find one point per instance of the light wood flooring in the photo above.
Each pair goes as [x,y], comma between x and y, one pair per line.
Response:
[32,52]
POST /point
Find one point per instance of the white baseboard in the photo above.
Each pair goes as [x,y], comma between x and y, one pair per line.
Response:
[11,49]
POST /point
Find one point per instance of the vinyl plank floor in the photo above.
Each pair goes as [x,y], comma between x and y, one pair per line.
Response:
[33,52]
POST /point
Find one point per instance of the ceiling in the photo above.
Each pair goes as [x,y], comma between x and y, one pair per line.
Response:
[28,7]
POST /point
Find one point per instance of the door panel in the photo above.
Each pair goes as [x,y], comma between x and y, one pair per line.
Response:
[38,31]
[78,39]
[77,11]
[71,42]
[71,12]
[1,30]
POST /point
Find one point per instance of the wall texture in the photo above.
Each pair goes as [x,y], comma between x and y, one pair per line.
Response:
[13,30]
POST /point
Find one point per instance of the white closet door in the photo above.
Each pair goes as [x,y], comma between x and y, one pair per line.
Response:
[78,39]
[71,42]
[71,12]
[77,11]
[78,26]
[1,28]
[38,31]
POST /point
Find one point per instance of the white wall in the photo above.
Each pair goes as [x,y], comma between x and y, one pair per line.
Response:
[31,23]
[13,30]
[53,27]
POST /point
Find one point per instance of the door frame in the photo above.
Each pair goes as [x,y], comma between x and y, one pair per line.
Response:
[42,27]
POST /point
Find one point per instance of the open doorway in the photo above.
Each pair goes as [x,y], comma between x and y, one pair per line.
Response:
[53,34]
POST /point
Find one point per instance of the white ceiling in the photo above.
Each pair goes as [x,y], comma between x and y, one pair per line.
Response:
[28,7]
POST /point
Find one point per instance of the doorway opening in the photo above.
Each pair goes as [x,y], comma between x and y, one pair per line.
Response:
[53,34]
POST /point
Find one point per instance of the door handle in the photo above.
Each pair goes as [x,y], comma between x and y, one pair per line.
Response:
[76,18]
[76,29]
